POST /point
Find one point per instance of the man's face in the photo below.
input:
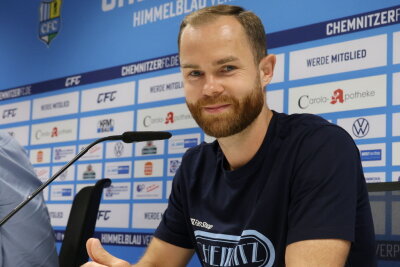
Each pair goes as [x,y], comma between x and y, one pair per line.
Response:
[222,83]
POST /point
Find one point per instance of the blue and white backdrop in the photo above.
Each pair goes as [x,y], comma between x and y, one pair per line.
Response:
[73,71]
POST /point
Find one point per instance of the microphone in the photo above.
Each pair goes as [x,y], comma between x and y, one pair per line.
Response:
[130,137]
[126,137]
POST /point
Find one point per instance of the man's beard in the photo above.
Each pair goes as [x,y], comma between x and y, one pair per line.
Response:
[241,114]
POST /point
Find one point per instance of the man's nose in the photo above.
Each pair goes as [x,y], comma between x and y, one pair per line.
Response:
[212,86]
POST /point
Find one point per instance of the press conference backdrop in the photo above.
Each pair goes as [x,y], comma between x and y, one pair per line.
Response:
[73,71]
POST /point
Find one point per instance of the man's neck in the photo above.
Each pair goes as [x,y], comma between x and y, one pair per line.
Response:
[241,147]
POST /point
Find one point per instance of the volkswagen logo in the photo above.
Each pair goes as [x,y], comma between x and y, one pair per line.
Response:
[118,149]
[360,127]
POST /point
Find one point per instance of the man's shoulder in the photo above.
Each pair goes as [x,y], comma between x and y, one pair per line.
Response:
[304,124]
[304,119]
[200,155]
[311,132]
[201,150]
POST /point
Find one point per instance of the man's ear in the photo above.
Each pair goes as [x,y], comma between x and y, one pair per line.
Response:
[266,68]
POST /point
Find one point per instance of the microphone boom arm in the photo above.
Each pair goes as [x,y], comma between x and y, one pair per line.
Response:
[127,137]
[45,184]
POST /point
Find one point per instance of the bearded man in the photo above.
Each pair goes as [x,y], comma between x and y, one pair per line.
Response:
[273,189]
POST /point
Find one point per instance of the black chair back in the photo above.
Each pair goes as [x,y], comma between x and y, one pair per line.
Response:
[385,205]
[81,224]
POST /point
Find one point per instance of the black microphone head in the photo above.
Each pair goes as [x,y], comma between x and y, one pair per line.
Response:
[130,137]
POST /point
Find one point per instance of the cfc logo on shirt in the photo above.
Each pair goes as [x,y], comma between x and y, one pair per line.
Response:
[250,248]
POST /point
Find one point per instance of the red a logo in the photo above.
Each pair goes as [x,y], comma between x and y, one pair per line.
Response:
[169,118]
[337,96]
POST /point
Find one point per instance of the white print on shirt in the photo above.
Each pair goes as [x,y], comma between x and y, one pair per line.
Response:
[251,248]
[198,223]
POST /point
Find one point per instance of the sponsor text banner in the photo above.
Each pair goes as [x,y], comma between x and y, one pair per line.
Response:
[149,148]
[117,191]
[173,165]
[39,156]
[105,125]
[59,214]
[353,94]
[147,216]
[62,192]
[63,153]
[373,155]
[116,95]
[95,152]
[89,171]
[165,118]
[147,190]
[118,170]
[365,127]
[15,112]
[57,105]
[118,149]
[375,177]
[160,88]
[347,56]
[181,143]
[148,168]
[53,132]
[113,216]
[67,175]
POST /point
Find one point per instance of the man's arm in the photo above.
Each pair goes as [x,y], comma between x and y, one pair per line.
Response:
[318,252]
[158,253]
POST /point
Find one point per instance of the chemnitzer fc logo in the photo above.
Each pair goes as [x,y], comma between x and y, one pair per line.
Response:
[251,248]
[50,20]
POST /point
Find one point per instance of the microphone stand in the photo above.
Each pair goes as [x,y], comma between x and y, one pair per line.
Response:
[127,137]
[45,184]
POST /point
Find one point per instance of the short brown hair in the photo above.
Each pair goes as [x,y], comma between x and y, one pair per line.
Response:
[252,25]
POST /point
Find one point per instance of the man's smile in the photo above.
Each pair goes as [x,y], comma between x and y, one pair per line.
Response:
[216,108]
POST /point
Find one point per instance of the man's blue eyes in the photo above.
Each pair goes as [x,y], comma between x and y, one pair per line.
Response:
[195,73]
[223,69]
[228,68]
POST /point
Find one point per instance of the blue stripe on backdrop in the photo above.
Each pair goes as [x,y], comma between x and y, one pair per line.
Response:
[307,33]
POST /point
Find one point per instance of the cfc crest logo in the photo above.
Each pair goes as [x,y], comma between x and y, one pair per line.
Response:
[50,20]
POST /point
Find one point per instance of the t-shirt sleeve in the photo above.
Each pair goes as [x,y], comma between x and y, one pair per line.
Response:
[173,227]
[324,190]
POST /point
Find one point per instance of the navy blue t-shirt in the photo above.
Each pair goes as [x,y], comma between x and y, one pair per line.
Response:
[305,182]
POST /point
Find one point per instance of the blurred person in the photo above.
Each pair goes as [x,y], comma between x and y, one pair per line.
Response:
[26,239]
